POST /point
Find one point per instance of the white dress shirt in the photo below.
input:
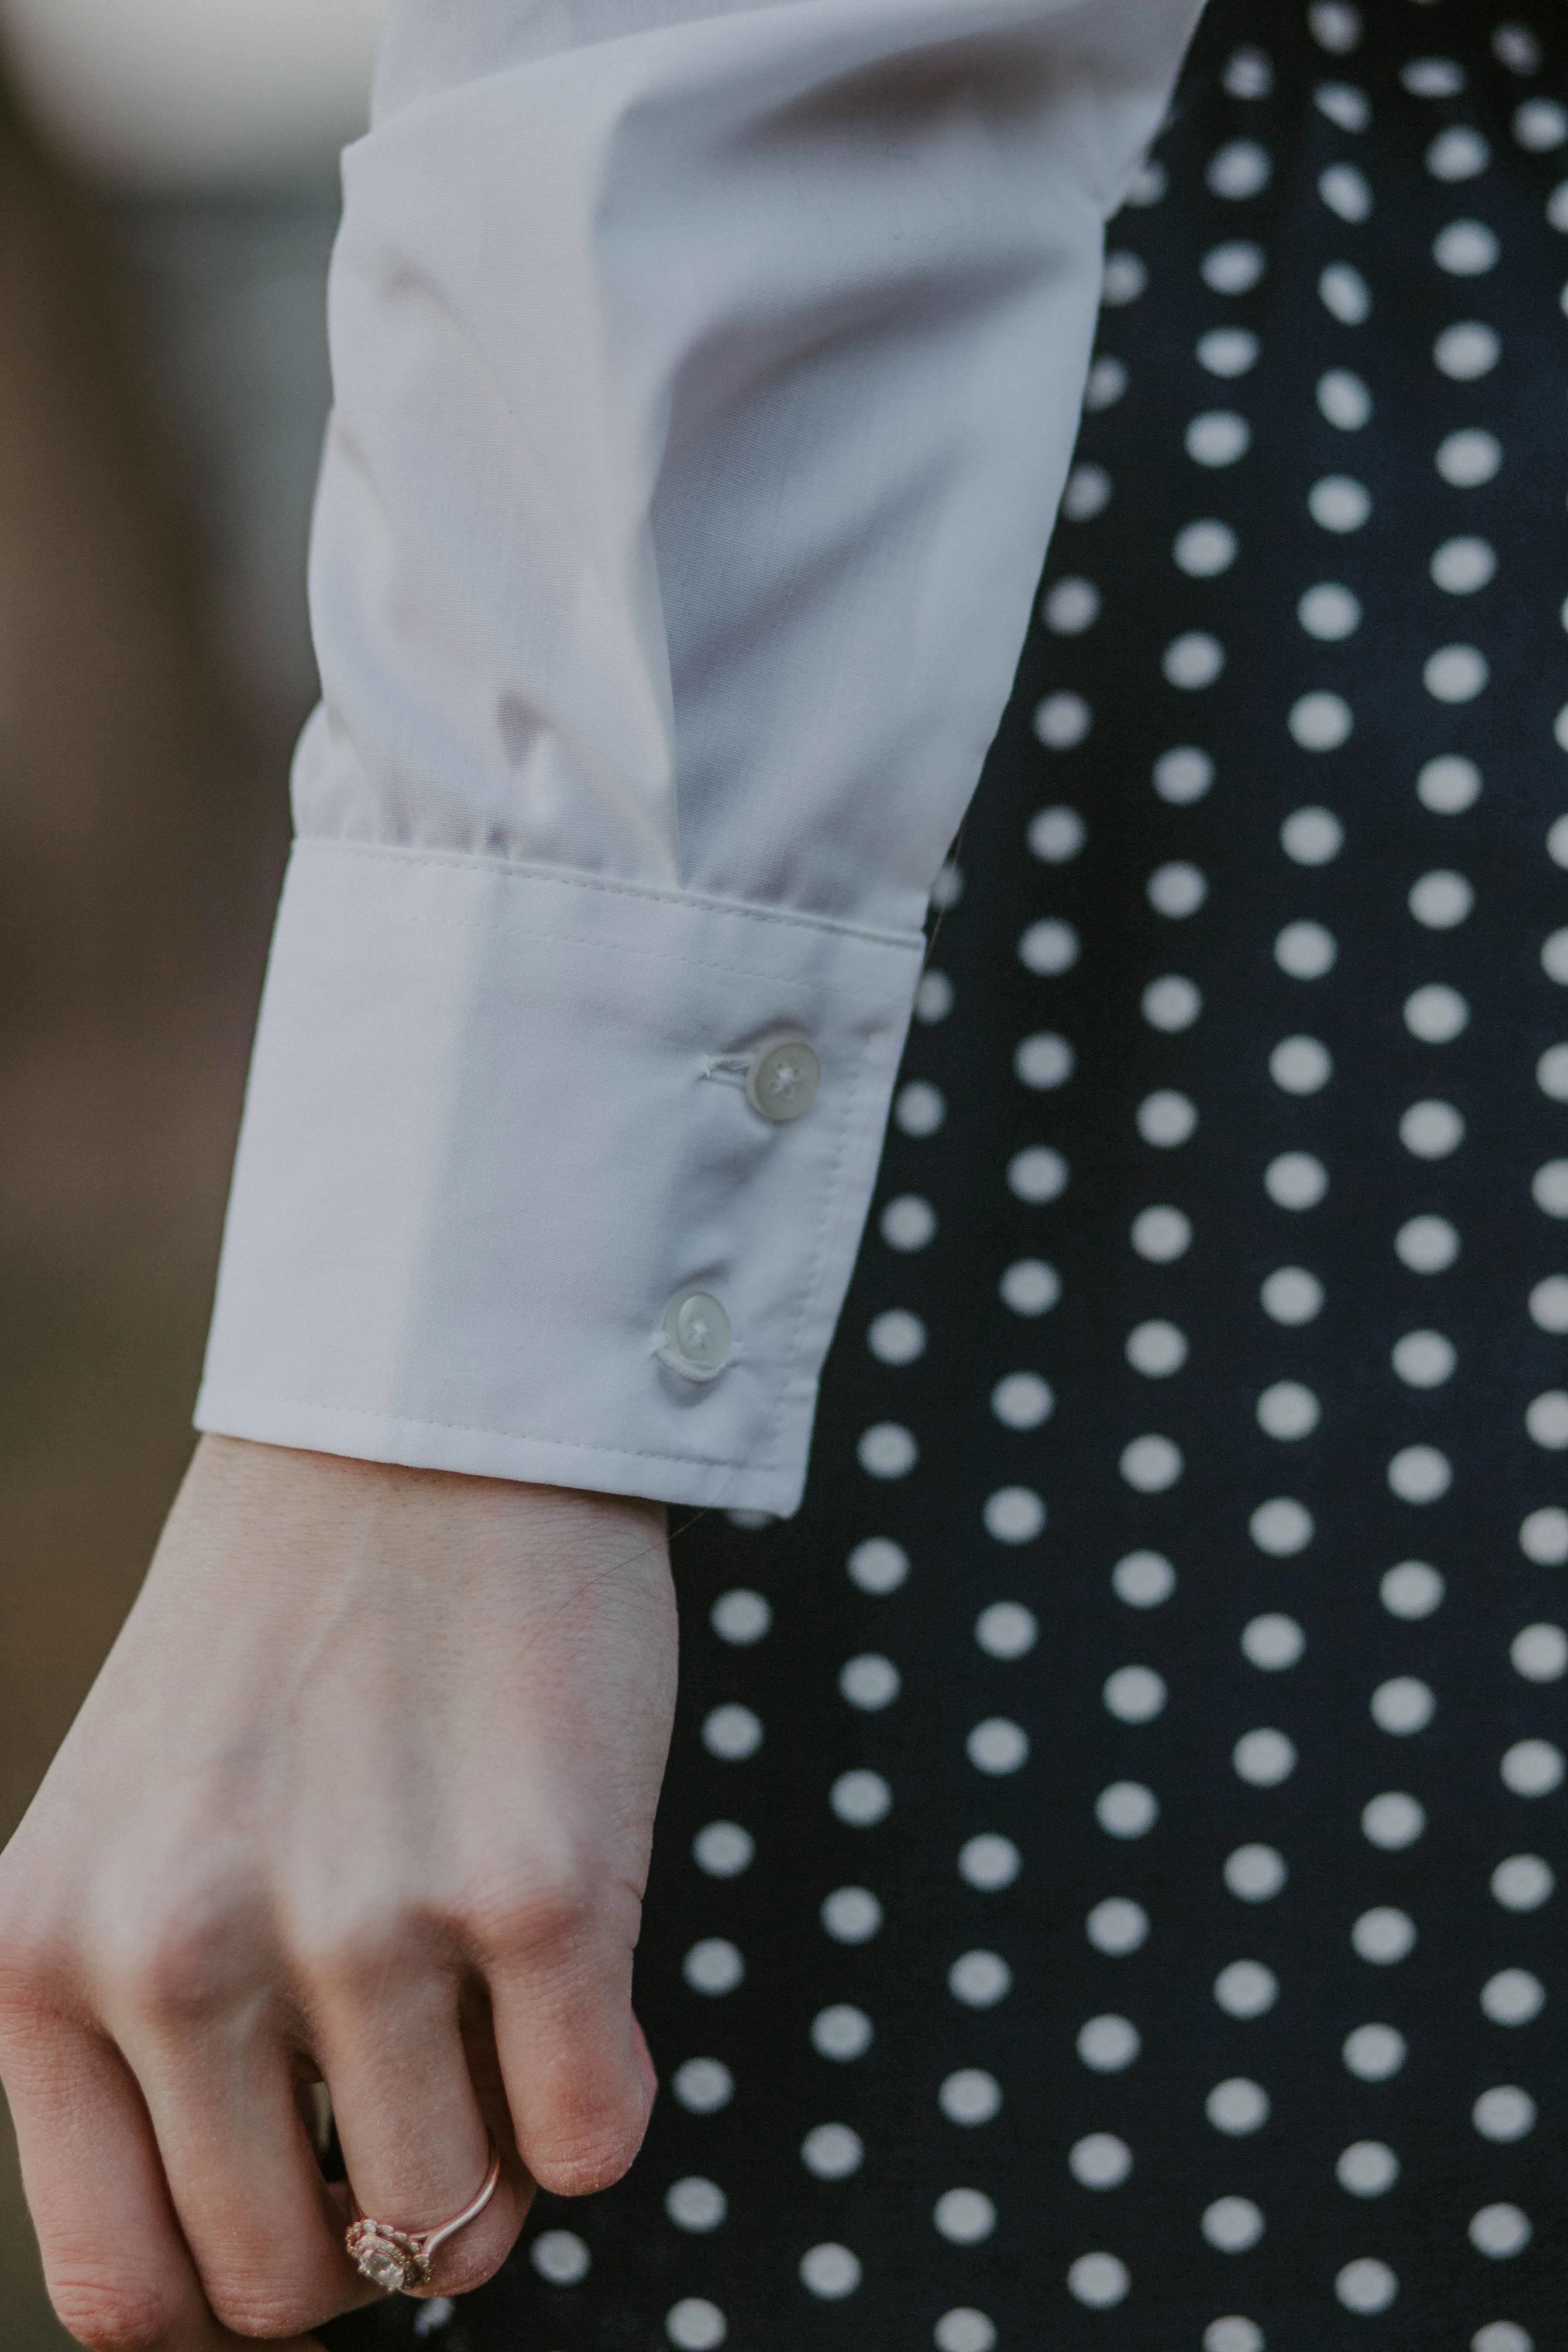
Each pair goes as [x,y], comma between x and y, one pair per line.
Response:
[706,376]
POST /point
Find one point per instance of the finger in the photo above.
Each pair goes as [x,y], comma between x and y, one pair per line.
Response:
[579,2080]
[259,2220]
[417,2140]
[119,2272]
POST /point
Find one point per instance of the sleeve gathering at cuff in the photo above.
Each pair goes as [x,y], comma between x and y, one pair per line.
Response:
[498,1126]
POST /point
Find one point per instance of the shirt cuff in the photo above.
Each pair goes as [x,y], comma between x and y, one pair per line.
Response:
[501,1120]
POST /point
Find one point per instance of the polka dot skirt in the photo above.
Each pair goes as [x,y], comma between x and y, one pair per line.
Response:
[1105,1890]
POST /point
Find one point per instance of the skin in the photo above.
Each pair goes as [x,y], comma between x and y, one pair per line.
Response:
[365,1793]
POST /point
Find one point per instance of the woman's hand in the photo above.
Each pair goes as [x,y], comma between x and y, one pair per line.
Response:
[365,1793]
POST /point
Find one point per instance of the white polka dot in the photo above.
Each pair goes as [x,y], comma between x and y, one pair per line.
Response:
[980,1979]
[1134,1694]
[1204,550]
[1245,1988]
[1403,1705]
[1030,1286]
[933,997]
[1014,1515]
[1424,1360]
[1540,124]
[741,1617]
[1329,611]
[1057,834]
[1338,503]
[1281,1527]
[1524,1883]
[897,1336]
[1161,1234]
[1557,841]
[703,2085]
[1383,1935]
[1044,1061]
[1543,1536]
[909,1222]
[1022,1401]
[1549,1188]
[1050,946]
[1156,1350]
[1374,2053]
[964,2330]
[1433,78]
[1343,400]
[1037,1174]
[1367,2168]
[1321,721]
[1237,2106]
[1150,1464]
[1465,249]
[1366,2286]
[1335,25]
[1516,47]
[1431,1130]
[1343,103]
[1505,2113]
[1448,786]
[1457,153]
[1546,1419]
[878,1565]
[1306,951]
[1461,566]
[1467,350]
[1549,1304]
[1254,1874]
[1100,2280]
[1532,1768]
[886,1450]
[918,1110]
[1346,192]
[1100,2160]
[851,1915]
[1296,1179]
[1512,1997]
[1087,493]
[1436,1013]
[1427,1244]
[989,1861]
[732,1732]
[1183,775]
[1291,1295]
[1106,383]
[860,1799]
[723,1849]
[1411,1591]
[1264,1759]
[1456,673]
[1143,1579]
[1069,607]
[841,2032]
[695,2204]
[997,1746]
[1248,73]
[1272,1643]
[1288,1409]
[1062,720]
[1238,170]
[1232,2224]
[1127,1810]
[832,2151]
[1393,1821]
[1125,279]
[1177,889]
[1540,1653]
[713,1967]
[1233,2334]
[1499,2231]
[969,2096]
[1468,457]
[695,2325]
[1312,837]
[1006,1630]
[1228,352]
[1554,957]
[829,2271]
[1557,206]
[869,1682]
[561,2257]
[1300,1065]
[1218,437]
[1234,267]
[1345,294]
[1166,1118]
[948,888]
[1107,2045]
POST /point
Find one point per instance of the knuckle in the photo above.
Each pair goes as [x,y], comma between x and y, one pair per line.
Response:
[180,1957]
[112,2314]
[536,1919]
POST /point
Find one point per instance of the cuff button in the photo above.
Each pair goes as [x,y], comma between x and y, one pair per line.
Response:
[782,1080]
[697,1333]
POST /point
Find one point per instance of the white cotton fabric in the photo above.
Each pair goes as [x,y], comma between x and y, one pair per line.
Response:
[705,385]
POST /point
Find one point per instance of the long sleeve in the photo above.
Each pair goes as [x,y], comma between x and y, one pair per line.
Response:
[706,375]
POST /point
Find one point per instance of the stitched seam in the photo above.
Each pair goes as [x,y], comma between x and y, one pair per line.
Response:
[507,872]
[516,1436]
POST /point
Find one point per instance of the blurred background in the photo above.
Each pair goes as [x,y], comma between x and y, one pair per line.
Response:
[168,192]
